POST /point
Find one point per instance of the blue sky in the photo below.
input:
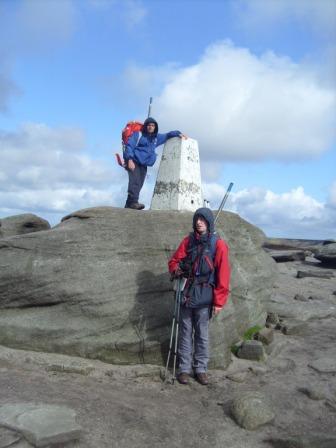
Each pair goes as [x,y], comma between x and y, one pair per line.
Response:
[253,81]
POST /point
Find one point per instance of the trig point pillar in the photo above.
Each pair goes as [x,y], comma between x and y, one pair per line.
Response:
[178,184]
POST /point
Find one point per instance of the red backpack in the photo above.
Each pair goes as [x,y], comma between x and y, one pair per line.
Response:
[129,129]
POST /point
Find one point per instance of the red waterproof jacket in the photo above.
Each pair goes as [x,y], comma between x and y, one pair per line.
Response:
[222,269]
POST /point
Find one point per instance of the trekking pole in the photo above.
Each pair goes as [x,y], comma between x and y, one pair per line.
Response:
[173,328]
[223,201]
[150,106]
[177,329]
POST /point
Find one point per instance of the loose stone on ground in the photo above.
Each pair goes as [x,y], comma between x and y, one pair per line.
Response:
[324,365]
[251,410]
[8,437]
[253,350]
[314,393]
[42,425]
[322,274]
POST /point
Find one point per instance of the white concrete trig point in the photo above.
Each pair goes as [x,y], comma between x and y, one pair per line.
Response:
[178,183]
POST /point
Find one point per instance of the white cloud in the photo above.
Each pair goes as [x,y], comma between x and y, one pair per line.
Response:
[245,107]
[45,171]
[292,214]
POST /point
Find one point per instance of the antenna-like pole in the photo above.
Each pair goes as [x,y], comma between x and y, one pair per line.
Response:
[150,106]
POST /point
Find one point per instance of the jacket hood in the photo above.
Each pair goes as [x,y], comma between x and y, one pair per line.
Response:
[147,121]
[206,213]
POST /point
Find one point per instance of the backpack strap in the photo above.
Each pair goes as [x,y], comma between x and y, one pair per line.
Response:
[138,139]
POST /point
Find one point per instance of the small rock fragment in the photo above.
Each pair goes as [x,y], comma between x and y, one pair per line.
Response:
[272,318]
[301,298]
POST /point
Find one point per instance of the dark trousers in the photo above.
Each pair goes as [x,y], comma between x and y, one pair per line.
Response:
[136,180]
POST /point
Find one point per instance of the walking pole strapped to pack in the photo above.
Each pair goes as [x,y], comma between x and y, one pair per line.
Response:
[223,201]
[180,283]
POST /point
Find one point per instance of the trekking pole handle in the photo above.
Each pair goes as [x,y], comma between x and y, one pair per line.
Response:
[150,106]
[223,201]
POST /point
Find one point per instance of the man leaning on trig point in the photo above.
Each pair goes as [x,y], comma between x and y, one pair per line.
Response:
[202,257]
[139,154]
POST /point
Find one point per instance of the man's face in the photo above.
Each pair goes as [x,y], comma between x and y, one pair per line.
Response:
[201,225]
[150,128]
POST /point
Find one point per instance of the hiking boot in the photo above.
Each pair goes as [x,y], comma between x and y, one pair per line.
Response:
[202,378]
[183,378]
[135,206]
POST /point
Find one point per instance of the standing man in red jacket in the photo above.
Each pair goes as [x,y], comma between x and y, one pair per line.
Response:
[202,257]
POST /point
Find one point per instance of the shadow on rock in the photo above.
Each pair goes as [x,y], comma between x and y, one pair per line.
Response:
[151,316]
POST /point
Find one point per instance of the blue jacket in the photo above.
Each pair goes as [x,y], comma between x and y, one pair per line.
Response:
[141,146]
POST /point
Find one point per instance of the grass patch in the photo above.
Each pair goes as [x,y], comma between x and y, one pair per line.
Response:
[250,332]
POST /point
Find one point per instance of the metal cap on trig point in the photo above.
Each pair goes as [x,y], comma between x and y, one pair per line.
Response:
[178,184]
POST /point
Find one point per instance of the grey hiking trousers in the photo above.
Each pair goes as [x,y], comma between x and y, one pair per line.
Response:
[136,180]
[193,351]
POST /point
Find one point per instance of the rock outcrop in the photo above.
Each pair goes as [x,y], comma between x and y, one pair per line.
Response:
[21,224]
[97,286]
[327,254]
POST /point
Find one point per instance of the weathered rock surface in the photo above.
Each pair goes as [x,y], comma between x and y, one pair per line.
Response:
[287,287]
[283,256]
[21,224]
[41,425]
[324,365]
[291,244]
[251,410]
[326,253]
[97,286]
[314,393]
[129,406]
